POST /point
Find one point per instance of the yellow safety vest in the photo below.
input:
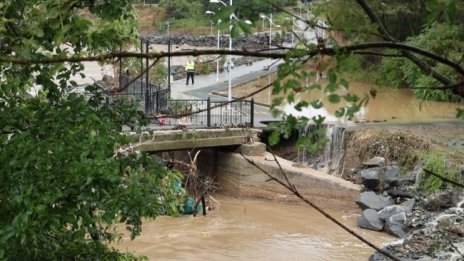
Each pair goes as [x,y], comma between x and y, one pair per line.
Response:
[190,66]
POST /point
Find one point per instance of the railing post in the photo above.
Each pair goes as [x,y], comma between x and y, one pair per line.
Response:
[169,68]
[208,112]
[157,100]
[252,113]
[141,69]
[147,79]
[120,69]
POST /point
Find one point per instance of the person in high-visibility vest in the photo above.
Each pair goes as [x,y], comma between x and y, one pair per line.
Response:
[190,69]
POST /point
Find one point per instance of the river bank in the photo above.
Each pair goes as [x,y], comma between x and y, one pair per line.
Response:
[430,228]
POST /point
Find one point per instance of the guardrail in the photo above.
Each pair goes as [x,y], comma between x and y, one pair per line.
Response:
[153,97]
[155,101]
[213,114]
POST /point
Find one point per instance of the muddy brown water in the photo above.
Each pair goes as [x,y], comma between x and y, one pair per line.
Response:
[253,230]
[390,105]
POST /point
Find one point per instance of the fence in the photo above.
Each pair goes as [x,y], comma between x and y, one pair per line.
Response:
[155,101]
[153,98]
[212,113]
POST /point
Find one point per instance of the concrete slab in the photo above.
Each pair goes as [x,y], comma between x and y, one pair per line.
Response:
[241,179]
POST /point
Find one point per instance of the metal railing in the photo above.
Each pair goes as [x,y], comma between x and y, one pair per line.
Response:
[155,101]
[213,114]
[153,98]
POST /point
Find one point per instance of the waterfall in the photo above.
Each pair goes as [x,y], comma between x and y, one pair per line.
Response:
[331,158]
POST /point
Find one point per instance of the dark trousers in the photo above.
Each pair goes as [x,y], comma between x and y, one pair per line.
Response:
[190,75]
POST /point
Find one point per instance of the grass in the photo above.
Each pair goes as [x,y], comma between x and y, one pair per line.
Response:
[441,164]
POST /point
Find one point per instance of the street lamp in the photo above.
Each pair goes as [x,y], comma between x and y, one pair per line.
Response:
[262,17]
[168,24]
[211,26]
[229,59]
[293,29]
[270,32]
[218,36]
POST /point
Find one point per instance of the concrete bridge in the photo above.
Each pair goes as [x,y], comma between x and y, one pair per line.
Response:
[171,140]
[219,157]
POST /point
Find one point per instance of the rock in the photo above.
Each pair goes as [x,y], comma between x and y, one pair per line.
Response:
[371,200]
[370,220]
[392,171]
[395,224]
[254,149]
[400,194]
[445,221]
[408,205]
[390,178]
[440,200]
[371,177]
[389,211]
[375,162]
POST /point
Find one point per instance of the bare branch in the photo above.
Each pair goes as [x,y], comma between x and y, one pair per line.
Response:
[379,54]
[447,87]
[444,178]
[157,55]
[421,64]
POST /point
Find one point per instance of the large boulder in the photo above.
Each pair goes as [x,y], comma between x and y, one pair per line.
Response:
[371,177]
[389,211]
[371,200]
[370,220]
[395,224]
[375,162]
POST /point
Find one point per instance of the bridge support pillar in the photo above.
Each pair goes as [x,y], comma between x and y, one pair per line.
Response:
[253,149]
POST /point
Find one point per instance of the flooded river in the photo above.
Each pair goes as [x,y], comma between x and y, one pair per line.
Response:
[253,230]
[390,105]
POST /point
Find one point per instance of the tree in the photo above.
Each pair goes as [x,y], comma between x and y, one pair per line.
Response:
[423,24]
[68,175]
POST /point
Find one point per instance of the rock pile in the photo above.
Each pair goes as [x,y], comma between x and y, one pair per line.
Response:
[258,40]
[430,227]
[433,235]
[384,211]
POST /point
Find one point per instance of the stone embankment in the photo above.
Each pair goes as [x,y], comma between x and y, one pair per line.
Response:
[258,40]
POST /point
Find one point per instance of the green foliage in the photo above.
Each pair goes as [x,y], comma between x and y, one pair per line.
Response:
[204,68]
[178,9]
[68,177]
[157,74]
[442,39]
[437,164]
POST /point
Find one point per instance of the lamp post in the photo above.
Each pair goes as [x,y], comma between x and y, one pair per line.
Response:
[211,26]
[262,17]
[229,58]
[218,43]
[168,24]
[270,32]
[293,29]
